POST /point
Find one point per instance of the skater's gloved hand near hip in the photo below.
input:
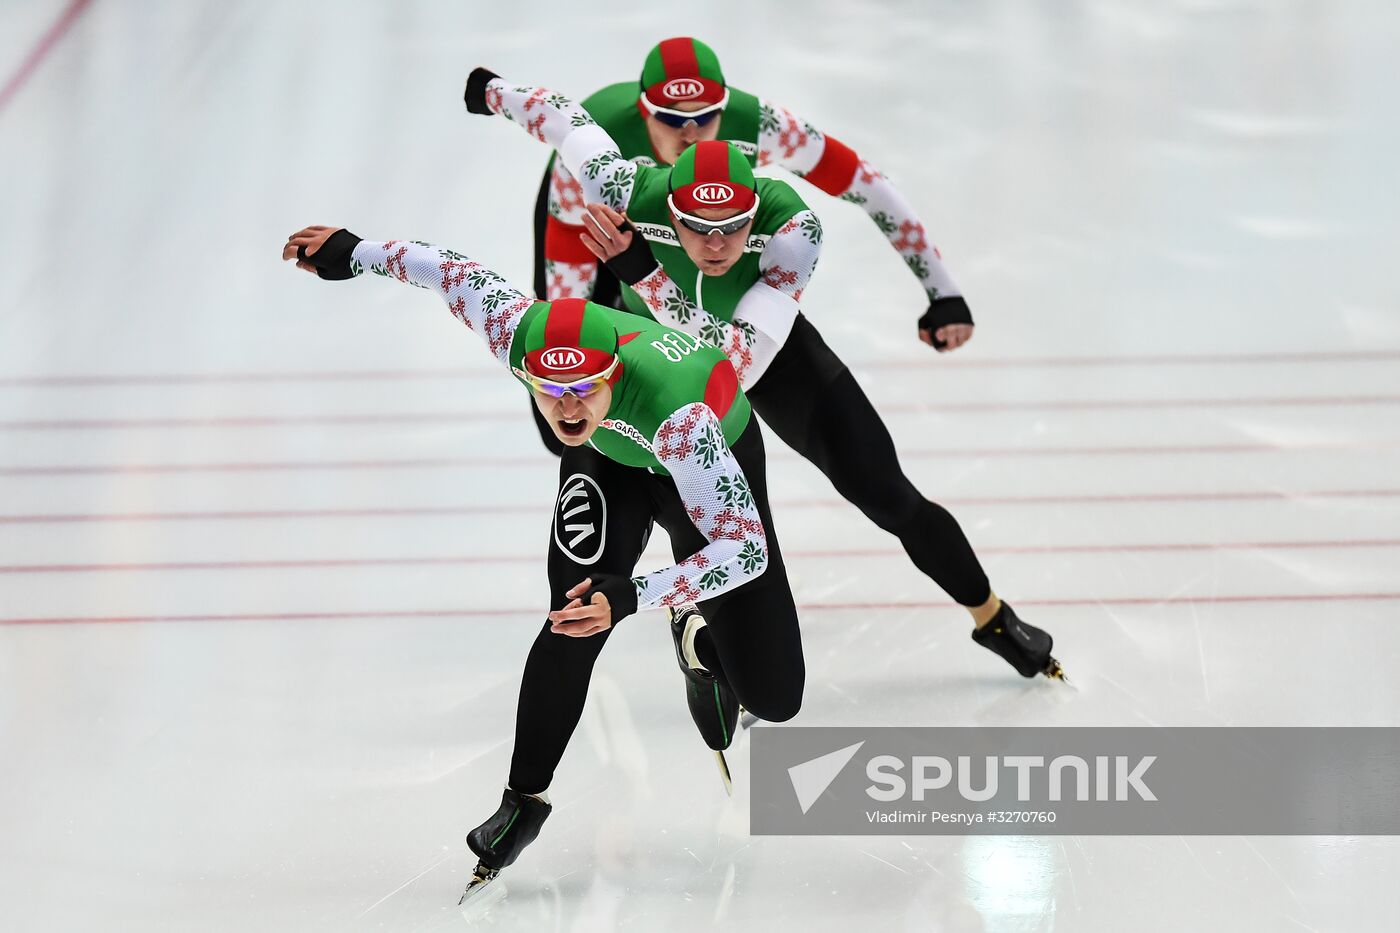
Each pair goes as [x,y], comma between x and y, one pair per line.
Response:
[595,604]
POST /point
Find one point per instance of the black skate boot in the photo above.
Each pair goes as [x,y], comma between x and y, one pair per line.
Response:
[499,841]
[1020,644]
[713,705]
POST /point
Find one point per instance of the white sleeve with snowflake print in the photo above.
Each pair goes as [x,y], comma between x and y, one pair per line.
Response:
[475,295]
[716,495]
[764,316]
[585,148]
[796,145]
[564,278]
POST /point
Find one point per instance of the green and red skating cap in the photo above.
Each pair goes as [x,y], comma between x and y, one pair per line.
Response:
[680,70]
[712,174]
[573,336]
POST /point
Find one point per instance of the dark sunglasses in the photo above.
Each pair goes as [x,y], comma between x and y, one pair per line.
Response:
[705,227]
[678,121]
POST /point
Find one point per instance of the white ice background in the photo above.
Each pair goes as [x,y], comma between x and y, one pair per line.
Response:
[271,549]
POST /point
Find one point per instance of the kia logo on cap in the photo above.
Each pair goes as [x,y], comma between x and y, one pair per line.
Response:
[562,358]
[683,89]
[713,193]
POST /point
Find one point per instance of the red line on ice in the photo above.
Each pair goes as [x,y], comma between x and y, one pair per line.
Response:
[41,49]
[806,607]
[473,559]
[162,379]
[540,508]
[468,417]
[374,375]
[542,460]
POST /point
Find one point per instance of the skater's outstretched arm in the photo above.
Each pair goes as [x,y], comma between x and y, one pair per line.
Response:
[476,296]
[832,166]
[585,148]
[763,318]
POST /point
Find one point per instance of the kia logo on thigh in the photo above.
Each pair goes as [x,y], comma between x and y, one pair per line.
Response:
[581,519]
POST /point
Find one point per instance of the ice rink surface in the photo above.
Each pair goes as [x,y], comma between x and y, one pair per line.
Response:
[272,548]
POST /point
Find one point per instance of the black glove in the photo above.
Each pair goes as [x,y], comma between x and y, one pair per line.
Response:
[635,262]
[332,260]
[475,95]
[941,311]
[620,591]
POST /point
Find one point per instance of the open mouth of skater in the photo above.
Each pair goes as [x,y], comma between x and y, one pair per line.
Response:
[573,401]
[572,419]
[573,428]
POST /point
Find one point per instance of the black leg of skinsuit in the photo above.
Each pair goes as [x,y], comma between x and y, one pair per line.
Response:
[755,637]
[606,291]
[810,399]
[554,684]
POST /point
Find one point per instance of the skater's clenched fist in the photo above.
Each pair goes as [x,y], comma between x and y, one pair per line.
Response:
[947,324]
[951,337]
[326,251]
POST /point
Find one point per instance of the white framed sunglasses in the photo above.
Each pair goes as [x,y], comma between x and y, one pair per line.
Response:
[706,227]
[581,388]
[679,118]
